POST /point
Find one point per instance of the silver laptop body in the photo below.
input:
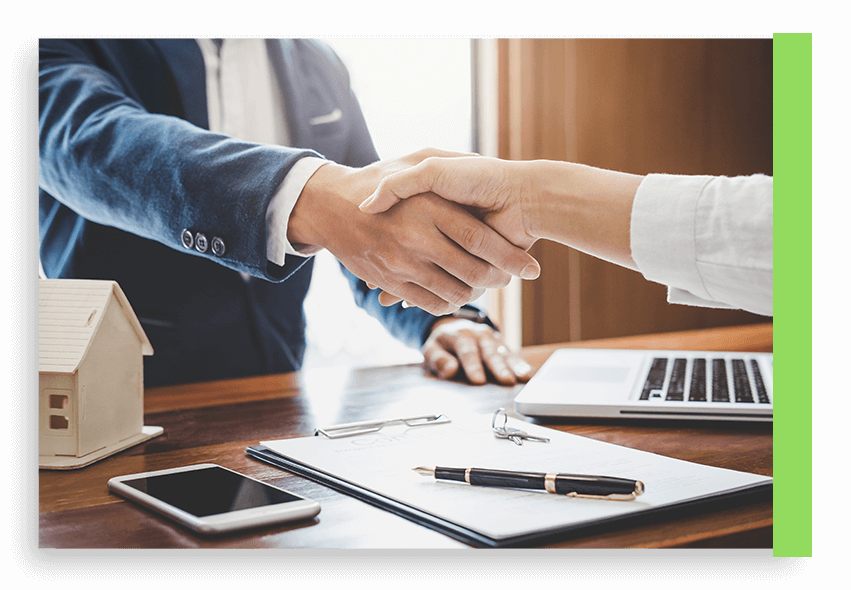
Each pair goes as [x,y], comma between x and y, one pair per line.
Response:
[667,384]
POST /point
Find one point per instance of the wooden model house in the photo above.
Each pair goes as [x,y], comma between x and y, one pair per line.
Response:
[90,349]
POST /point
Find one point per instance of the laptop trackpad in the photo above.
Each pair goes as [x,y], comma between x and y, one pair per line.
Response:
[601,375]
[591,380]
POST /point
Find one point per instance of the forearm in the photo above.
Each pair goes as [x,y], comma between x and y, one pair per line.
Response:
[278,245]
[322,209]
[583,207]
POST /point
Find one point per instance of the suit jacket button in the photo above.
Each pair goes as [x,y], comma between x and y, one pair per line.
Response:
[218,246]
[186,239]
[200,242]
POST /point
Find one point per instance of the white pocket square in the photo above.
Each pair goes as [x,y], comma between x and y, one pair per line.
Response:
[334,115]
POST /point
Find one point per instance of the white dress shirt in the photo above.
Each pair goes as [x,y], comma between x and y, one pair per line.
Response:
[244,101]
[710,239]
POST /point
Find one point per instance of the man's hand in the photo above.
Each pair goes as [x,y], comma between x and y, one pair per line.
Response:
[430,252]
[474,350]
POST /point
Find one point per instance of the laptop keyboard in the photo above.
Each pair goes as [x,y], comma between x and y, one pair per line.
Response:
[727,379]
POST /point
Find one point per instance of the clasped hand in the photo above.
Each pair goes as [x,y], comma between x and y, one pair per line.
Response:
[430,252]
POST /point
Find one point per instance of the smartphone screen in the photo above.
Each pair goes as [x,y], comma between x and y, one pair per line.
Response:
[209,491]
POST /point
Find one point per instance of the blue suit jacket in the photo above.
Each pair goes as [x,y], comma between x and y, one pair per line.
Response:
[127,163]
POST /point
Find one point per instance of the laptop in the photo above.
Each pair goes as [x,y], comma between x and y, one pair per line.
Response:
[656,384]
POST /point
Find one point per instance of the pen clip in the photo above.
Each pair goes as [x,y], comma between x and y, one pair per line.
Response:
[355,428]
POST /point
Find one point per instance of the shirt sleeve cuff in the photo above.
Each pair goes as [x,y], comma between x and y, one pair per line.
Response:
[280,208]
[685,298]
[662,231]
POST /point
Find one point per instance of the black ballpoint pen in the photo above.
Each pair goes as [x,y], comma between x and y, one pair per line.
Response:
[567,484]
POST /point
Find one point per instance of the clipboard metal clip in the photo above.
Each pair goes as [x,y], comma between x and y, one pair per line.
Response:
[355,428]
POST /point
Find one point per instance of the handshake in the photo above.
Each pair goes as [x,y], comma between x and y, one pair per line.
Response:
[466,230]
[434,229]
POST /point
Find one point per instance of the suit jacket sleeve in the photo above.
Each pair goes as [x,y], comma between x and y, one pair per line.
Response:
[112,161]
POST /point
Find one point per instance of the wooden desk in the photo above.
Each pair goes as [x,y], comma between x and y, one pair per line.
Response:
[215,422]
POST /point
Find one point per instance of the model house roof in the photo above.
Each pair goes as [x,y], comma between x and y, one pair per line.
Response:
[69,314]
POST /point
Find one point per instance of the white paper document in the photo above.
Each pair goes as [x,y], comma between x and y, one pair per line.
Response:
[383,462]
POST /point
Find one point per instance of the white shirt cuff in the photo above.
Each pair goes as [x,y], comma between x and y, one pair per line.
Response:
[281,207]
[662,231]
[682,297]
[708,238]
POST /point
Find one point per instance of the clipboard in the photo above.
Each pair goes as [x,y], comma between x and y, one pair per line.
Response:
[446,506]
[398,508]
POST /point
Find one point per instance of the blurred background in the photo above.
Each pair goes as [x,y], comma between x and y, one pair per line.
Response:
[678,106]
[415,93]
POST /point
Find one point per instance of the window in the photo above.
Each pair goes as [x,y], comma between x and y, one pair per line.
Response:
[414,93]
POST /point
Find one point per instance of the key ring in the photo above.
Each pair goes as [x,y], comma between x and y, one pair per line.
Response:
[499,411]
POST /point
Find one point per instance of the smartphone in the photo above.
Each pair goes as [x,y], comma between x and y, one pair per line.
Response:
[212,499]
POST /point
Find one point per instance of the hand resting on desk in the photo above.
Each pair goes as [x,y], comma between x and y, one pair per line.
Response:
[462,347]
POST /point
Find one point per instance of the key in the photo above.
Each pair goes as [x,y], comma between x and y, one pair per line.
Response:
[513,434]
[517,436]
[533,438]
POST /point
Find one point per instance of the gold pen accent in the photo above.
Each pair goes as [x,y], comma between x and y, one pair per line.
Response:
[550,482]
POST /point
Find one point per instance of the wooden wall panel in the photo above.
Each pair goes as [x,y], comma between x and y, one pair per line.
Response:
[681,106]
